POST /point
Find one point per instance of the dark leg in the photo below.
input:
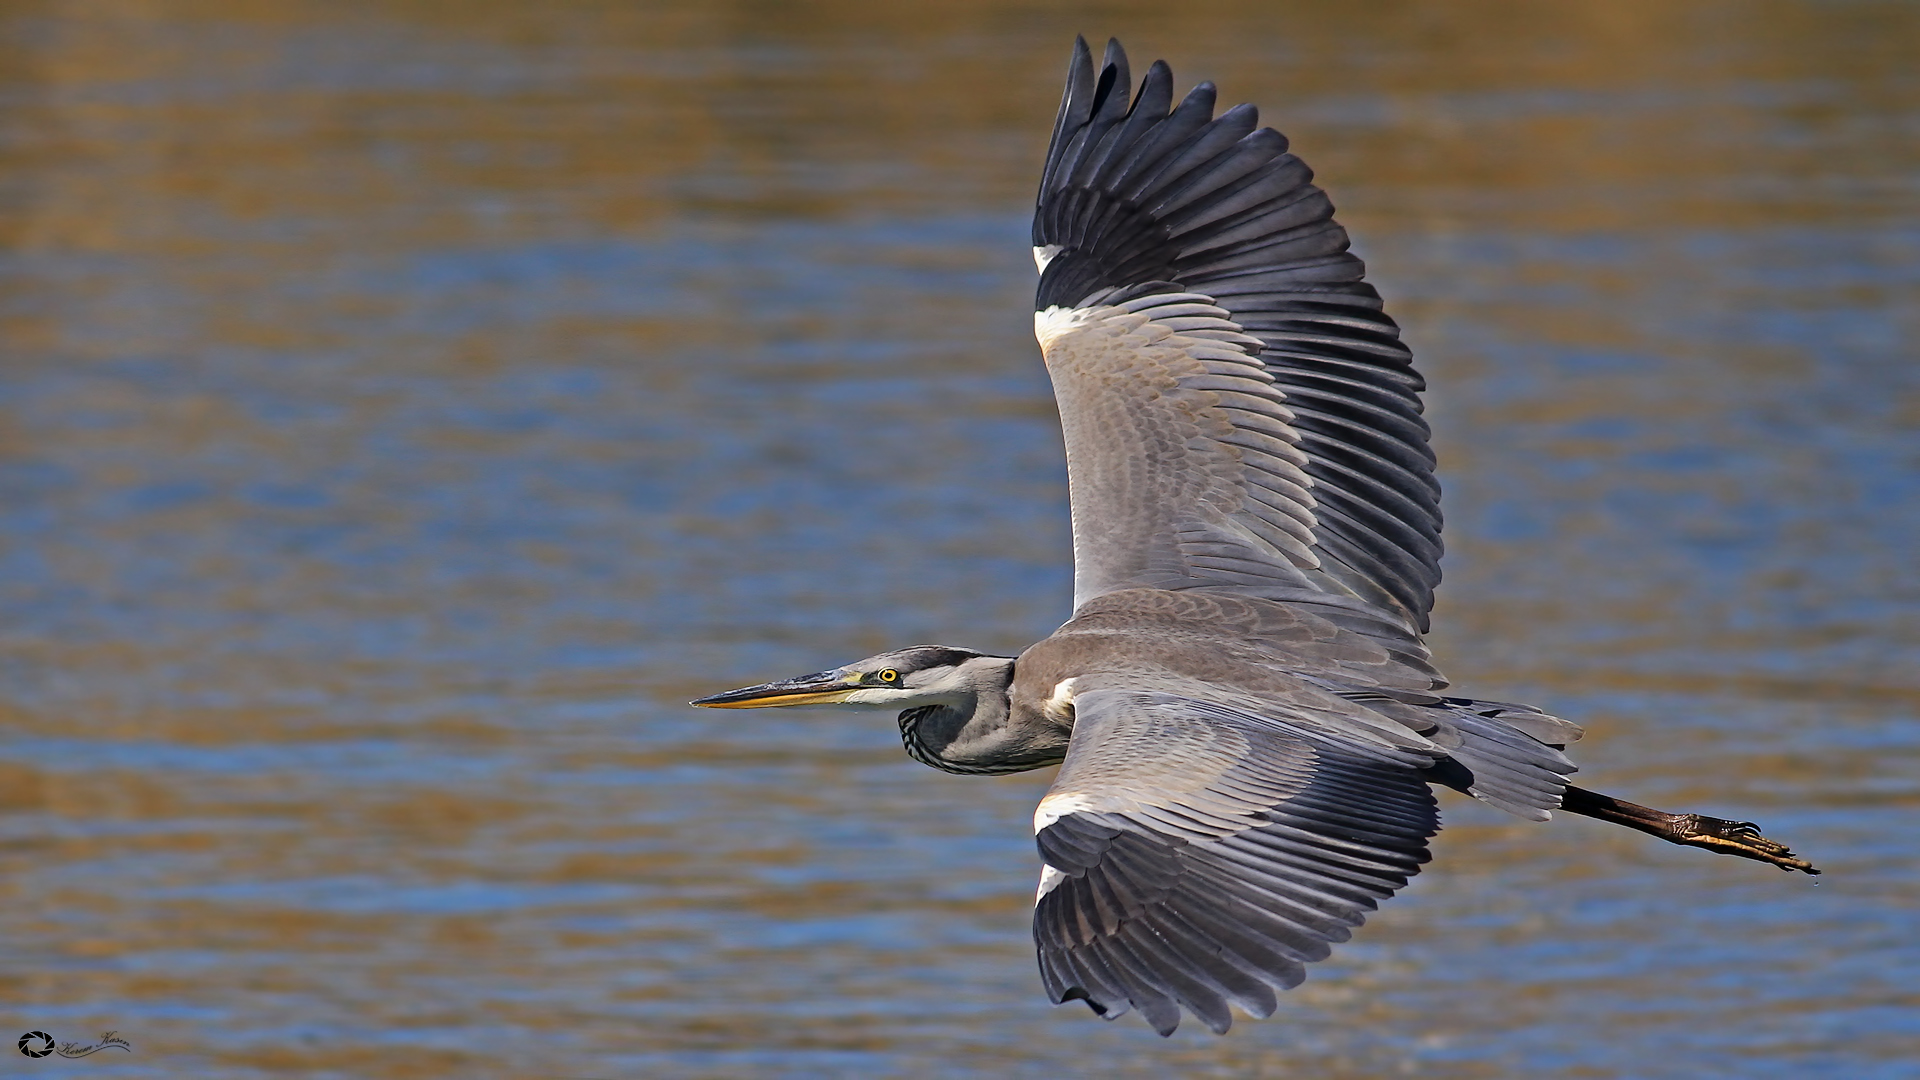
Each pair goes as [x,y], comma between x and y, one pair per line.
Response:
[1740,838]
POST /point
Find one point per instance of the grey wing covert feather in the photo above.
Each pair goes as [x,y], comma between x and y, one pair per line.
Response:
[1198,856]
[1239,411]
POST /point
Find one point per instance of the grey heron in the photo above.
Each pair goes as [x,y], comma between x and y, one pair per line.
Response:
[1247,721]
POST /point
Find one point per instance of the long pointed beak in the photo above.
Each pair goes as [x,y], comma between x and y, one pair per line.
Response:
[824,688]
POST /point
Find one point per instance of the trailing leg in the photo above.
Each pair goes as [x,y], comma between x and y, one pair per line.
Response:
[1740,838]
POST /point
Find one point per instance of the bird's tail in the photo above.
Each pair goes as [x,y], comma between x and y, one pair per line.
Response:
[1510,755]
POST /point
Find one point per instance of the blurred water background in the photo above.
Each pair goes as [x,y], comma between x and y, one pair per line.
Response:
[405,408]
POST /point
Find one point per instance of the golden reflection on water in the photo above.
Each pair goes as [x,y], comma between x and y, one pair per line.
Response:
[407,406]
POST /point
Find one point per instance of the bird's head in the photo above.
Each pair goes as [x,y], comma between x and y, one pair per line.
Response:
[953,706]
[909,678]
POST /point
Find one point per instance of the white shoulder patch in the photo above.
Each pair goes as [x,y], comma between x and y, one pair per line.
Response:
[1050,879]
[1044,255]
[1059,805]
[1059,707]
[1056,322]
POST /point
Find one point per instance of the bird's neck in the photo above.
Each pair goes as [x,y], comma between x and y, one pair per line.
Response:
[978,734]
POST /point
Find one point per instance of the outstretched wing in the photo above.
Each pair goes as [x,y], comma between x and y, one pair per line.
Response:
[1239,411]
[1199,856]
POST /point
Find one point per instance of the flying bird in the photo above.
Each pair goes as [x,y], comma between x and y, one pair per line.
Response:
[1247,721]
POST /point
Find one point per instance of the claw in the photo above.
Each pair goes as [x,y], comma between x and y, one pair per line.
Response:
[1740,838]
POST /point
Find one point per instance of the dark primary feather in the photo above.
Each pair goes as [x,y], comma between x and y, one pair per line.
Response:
[1141,191]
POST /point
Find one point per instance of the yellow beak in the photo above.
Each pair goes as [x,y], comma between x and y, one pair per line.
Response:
[825,688]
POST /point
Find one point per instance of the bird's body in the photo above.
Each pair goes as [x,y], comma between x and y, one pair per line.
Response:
[1247,719]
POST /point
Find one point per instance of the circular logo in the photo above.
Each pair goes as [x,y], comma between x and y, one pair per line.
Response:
[36,1044]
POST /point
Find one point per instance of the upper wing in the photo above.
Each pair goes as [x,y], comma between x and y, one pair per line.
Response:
[1197,855]
[1238,409]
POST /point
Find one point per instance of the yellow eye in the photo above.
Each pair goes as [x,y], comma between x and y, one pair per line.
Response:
[889,675]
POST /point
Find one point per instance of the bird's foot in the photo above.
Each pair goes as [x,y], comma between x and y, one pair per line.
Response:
[1740,838]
